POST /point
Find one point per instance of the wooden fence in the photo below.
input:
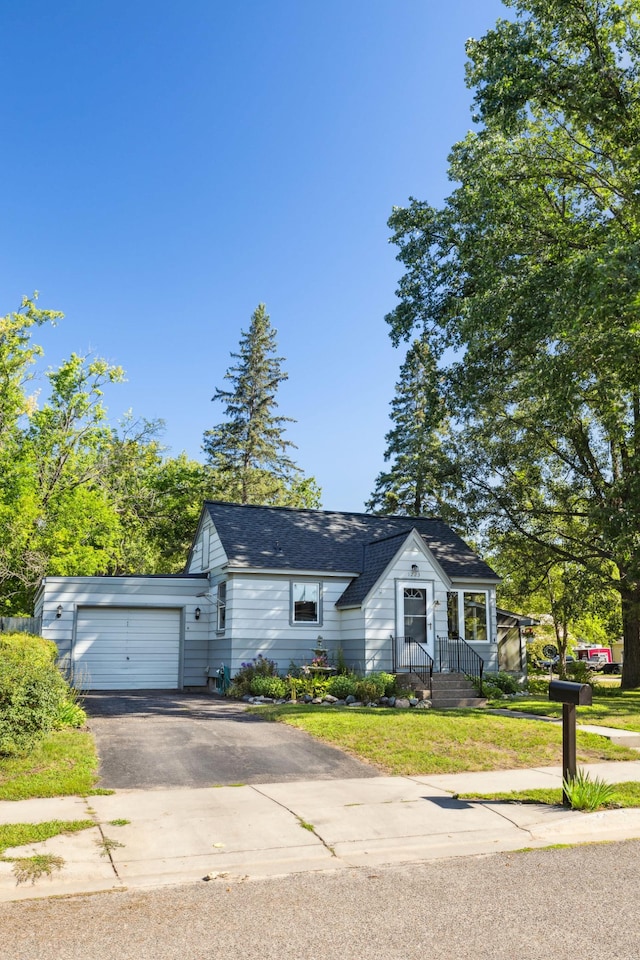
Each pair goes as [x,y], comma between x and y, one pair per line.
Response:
[20,625]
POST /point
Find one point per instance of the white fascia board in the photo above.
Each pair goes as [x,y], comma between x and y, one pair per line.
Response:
[279,572]
[151,578]
[476,581]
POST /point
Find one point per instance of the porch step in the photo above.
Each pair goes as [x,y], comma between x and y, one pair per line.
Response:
[448,691]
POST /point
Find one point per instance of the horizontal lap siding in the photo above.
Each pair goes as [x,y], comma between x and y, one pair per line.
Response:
[352,642]
[208,552]
[258,611]
[380,608]
[139,592]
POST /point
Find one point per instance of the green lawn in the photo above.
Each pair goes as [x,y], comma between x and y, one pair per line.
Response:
[407,742]
[613,708]
[624,795]
[63,764]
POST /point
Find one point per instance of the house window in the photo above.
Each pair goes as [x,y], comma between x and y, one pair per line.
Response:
[475,618]
[305,602]
[467,615]
[222,605]
[453,616]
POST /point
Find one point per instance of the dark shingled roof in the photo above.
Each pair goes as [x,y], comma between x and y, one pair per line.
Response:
[360,543]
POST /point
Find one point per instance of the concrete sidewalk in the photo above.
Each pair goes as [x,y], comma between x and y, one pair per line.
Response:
[229,833]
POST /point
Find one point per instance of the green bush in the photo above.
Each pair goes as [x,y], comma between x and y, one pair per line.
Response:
[342,686]
[268,686]
[32,691]
[258,667]
[580,672]
[375,685]
[311,686]
[502,681]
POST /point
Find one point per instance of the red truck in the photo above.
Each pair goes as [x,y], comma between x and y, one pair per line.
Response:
[599,658]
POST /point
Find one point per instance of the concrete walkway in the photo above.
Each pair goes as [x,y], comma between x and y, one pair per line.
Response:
[226,833]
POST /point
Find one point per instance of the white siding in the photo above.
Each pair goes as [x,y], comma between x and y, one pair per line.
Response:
[380,608]
[258,619]
[170,592]
[208,552]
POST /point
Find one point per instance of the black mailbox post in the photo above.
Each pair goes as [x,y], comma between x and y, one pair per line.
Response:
[569,695]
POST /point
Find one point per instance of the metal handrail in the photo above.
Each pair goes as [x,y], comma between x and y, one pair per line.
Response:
[456,655]
[411,655]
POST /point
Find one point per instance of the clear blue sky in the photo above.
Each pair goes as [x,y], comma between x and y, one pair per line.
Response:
[167,166]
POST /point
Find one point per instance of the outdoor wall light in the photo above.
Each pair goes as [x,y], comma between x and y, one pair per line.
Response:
[58,611]
[197,613]
[415,569]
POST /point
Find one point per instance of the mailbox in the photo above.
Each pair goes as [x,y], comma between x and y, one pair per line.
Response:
[565,691]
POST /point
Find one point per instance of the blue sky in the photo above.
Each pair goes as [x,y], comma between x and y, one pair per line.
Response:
[167,166]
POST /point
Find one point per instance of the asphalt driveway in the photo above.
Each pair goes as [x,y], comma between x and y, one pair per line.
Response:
[159,739]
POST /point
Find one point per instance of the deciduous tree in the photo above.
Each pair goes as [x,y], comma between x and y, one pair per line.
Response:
[527,287]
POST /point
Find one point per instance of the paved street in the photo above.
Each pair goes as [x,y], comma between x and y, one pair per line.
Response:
[541,905]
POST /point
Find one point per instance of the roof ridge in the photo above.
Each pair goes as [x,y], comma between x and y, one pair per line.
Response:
[341,513]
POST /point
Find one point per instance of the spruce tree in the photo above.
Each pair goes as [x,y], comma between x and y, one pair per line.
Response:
[421,470]
[248,452]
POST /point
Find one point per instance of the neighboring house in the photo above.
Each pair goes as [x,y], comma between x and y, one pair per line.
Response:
[275,581]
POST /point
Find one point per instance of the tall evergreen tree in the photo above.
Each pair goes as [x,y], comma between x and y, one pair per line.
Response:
[421,468]
[248,452]
[526,284]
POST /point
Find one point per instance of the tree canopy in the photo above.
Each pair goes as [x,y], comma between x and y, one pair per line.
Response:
[526,286]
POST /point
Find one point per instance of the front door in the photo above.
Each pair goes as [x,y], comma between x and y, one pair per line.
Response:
[414,615]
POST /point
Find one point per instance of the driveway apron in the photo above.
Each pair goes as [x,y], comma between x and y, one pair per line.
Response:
[160,739]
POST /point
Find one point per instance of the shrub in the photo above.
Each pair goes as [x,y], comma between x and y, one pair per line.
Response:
[268,686]
[342,686]
[502,681]
[580,672]
[258,667]
[375,685]
[312,686]
[32,691]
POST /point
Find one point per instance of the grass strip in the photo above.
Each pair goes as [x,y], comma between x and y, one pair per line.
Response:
[410,742]
[20,834]
[625,794]
[63,764]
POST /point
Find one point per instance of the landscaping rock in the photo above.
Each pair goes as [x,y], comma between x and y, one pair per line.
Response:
[402,703]
[317,700]
[307,698]
[384,701]
[413,701]
[330,699]
[391,702]
[350,699]
[423,704]
[355,703]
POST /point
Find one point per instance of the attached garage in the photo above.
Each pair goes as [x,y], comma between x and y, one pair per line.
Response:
[129,633]
[127,648]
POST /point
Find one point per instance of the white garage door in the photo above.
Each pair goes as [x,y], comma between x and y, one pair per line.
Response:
[127,648]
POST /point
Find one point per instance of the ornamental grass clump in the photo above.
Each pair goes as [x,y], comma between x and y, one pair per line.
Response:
[587,794]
